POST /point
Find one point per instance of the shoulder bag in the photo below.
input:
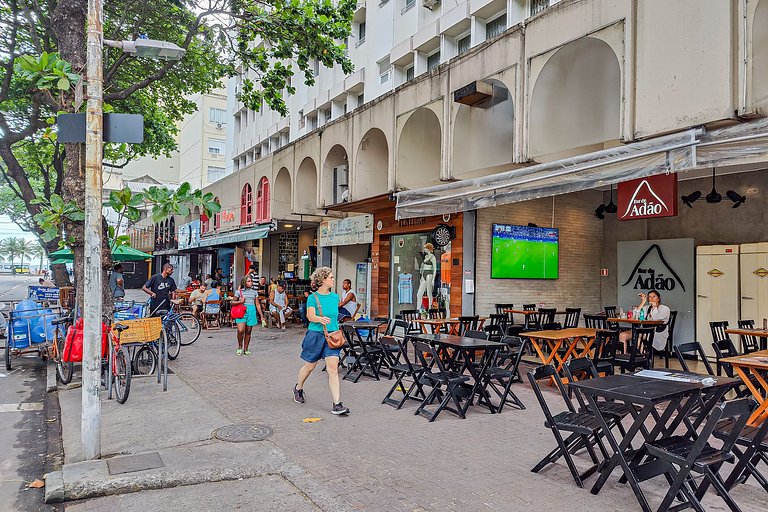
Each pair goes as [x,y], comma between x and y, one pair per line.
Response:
[334,339]
[238,310]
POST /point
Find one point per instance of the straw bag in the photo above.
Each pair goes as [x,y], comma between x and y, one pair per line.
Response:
[334,339]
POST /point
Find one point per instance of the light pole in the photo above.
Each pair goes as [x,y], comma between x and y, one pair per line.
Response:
[90,434]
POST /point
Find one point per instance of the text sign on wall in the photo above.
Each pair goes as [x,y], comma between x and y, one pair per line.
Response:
[646,198]
[666,266]
[348,231]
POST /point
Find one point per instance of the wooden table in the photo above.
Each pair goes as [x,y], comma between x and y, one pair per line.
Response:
[555,339]
[756,365]
[436,324]
[634,321]
[760,333]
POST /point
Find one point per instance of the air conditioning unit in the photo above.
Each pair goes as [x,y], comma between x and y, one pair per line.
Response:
[430,4]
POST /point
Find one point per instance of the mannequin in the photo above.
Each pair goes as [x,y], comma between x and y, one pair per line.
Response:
[427,273]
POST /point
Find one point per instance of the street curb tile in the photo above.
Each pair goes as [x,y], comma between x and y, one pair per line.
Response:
[50,377]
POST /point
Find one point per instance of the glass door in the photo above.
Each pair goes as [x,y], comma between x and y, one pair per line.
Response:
[419,274]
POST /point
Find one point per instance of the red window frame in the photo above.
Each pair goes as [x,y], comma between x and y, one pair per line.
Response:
[217,215]
[246,205]
[262,201]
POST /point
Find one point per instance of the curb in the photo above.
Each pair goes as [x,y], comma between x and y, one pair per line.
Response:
[50,377]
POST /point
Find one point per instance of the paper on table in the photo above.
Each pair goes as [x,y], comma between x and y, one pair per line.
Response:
[653,374]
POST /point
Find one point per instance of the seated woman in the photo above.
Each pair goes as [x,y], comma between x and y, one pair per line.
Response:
[214,294]
[654,310]
[197,297]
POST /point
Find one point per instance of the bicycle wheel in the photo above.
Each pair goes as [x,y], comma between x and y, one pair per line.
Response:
[64,370]
[174,336]
[8,354]
[121,372]
[144,361]
[189,326]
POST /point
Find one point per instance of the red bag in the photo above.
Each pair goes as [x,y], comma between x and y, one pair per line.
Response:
[238,310]
[73,345]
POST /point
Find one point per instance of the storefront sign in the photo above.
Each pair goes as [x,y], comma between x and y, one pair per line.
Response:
[349,231]
[189,235]
[646,198]
[666,266]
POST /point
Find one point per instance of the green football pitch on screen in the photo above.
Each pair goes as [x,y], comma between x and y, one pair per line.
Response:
[523,259]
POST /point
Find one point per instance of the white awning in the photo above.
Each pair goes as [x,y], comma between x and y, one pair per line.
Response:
[690,149]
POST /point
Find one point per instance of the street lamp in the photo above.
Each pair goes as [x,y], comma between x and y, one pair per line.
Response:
[94,143]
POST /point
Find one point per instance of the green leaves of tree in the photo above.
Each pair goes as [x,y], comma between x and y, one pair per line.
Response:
[53,212]
[165,202]
[45,71]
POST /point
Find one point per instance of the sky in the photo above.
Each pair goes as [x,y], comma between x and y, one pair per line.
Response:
[9,228]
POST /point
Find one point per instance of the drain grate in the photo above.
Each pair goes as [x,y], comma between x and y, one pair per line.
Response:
[243,433]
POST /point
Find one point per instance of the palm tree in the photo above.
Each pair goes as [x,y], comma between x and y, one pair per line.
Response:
[26,248]
[11,247]
[37,250]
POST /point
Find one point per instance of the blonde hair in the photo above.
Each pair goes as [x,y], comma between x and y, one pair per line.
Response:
[429,246]
[320,275]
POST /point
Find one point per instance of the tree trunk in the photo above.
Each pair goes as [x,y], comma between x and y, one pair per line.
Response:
[69,22]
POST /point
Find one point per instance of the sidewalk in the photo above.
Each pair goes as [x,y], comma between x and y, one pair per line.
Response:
[376,459]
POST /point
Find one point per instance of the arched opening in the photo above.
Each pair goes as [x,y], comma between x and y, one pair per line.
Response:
[335,185]
[576,101]
[371,165]
[483,135]
[217,215]
[306,187]
[281,197]
[418,150]
[760,56]
[246,205]
[262,201]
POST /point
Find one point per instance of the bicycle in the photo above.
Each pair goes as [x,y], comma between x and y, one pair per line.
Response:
[116,366]
[64,370]
[179,328]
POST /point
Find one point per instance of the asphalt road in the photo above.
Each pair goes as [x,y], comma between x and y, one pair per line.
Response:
[23,441]
[14,287]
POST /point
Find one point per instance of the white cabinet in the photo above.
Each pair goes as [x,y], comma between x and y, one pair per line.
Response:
[717,289]
[754,282]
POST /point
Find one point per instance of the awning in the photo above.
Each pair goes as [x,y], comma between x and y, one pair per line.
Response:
[261,231]
[690,149]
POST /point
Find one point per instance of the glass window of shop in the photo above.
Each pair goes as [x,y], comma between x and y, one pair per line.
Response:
[420,276]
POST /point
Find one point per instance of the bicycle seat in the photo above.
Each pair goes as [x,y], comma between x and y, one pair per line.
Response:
[120,327]
[61,320]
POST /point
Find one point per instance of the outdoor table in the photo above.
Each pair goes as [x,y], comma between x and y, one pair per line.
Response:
[635,322]
[526,313]
[436,324]
[571,338]
[649,389]
[466,348]
[371,325]
[755,364]
[759,333]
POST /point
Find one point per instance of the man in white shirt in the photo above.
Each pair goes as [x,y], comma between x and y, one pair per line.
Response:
[348,304]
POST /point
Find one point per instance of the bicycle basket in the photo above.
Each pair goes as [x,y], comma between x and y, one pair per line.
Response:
[141,330]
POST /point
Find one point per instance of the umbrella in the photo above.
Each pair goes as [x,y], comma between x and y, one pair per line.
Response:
[61,261]
[121,253]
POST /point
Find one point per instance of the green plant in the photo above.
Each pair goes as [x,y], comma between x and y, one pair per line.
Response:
[52,214]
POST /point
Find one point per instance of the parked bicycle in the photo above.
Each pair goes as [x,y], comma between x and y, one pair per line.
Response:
[179,328]
[116,367]
[64,370]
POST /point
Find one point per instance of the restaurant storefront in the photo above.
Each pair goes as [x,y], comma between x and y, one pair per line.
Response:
[676,249]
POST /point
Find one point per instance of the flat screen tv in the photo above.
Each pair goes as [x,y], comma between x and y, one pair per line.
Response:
[522,252]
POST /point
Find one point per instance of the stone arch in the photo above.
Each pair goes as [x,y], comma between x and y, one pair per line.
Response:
[418,150]
[371,165]
[576,100]
[306,187]
[483,134]
[760,55]
[335,176]
[281,195]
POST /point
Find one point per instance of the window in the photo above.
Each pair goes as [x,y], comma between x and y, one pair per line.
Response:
[538,5]
[463,44]
[360,99]
[384,71]
[409,74]
[496,26]
[313,122]
[217,216]
[327,115]
[217,115]
[215,173]
[246,205]
[302,119]
[316,67]
[433,61]
[204,224]
[361,33]
[408,6]
[216,146]
[262,201]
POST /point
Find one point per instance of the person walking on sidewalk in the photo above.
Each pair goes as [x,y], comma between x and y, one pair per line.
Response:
[247,295]
[162,288]
[314,347]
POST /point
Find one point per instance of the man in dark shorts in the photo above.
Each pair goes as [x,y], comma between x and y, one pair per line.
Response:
[162,288]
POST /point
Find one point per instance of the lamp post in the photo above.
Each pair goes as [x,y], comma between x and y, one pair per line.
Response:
[92,282]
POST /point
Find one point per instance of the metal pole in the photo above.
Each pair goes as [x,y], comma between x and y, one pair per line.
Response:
[91,404]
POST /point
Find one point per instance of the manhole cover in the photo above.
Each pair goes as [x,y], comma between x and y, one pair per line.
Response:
[243,433]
